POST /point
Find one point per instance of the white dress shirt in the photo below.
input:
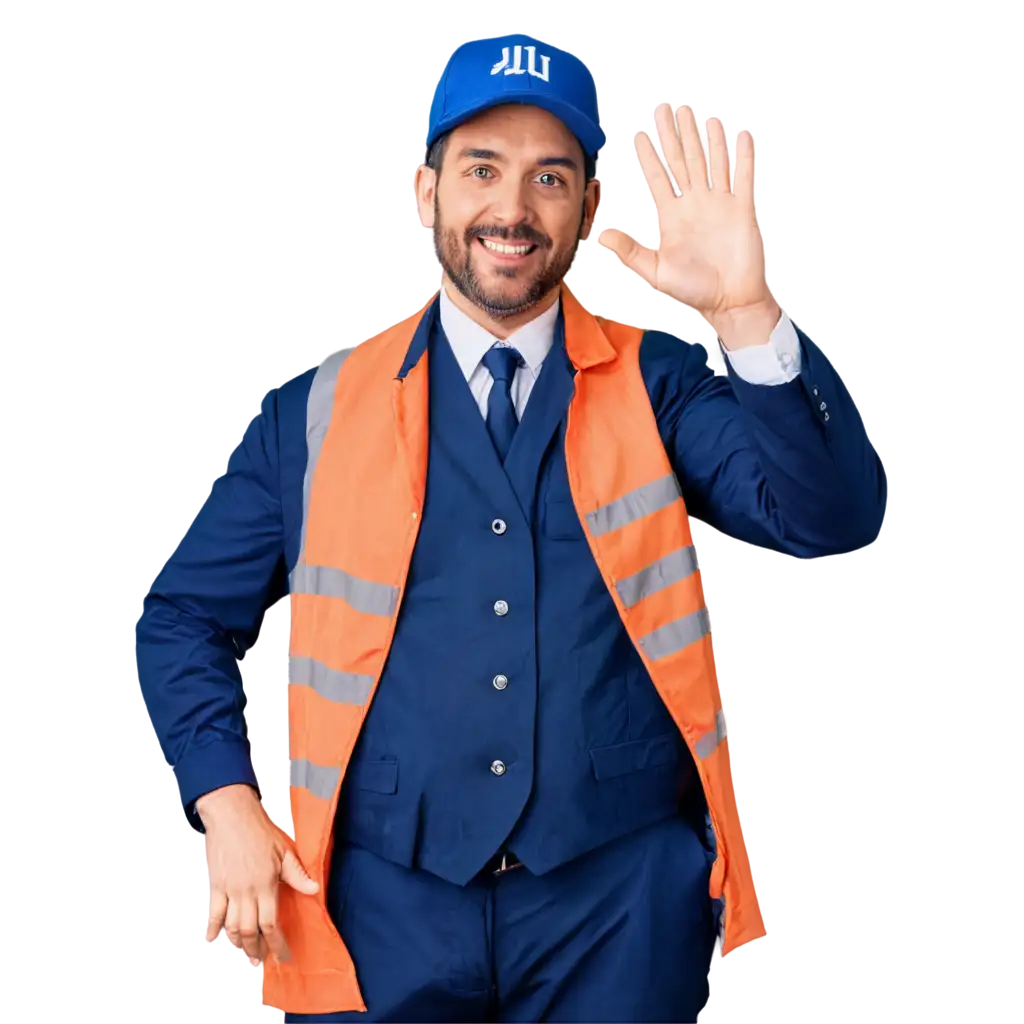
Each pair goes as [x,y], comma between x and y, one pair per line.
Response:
[777,361]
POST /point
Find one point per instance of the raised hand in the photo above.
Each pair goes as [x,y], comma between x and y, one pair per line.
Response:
[711,256]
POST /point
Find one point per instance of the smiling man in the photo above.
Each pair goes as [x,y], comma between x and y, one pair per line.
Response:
[510,778]
[510,266]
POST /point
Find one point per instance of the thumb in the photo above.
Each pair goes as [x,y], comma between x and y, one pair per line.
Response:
[294,874]
[636,256]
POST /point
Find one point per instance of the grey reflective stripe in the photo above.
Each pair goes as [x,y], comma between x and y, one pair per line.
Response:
[641,502]
[676,635]
[340,687]
[319,779]
[672,568]
[708,743]
[319,404]
[363,595]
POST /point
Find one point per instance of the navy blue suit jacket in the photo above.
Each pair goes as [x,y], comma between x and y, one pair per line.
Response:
[787,467]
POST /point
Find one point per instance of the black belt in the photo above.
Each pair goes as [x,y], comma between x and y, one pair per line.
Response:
[502,861]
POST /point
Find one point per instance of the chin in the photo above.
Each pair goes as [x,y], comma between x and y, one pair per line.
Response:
[498,303]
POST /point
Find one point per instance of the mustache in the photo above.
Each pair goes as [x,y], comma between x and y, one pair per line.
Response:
[520,233]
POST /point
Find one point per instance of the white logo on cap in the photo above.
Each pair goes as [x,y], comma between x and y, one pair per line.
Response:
[517,65]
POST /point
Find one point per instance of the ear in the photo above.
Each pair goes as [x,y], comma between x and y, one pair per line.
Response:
[426,187]
[591,199]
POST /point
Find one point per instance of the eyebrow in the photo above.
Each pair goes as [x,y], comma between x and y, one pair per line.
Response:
[548,161]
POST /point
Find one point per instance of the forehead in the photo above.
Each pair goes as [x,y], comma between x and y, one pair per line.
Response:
[515,129]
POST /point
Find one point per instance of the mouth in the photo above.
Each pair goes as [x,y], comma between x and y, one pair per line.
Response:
[504,251]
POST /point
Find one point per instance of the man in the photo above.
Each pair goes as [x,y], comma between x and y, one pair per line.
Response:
[509,766]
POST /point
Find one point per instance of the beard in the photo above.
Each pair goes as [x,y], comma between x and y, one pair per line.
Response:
[455,256]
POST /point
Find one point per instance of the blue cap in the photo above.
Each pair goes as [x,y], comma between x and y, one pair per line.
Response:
[517,69]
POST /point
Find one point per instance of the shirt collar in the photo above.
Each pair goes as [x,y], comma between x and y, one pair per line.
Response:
[470,341]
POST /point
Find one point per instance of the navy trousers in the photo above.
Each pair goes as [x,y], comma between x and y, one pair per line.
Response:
[623,933]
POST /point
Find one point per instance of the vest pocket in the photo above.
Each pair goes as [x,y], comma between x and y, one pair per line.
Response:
[635,756]
[561,521]
[376,776]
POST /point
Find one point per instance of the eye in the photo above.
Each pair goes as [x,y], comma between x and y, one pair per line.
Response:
[554,179]
[481,172]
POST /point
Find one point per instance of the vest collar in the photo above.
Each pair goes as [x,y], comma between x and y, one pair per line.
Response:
[421,336]
[585,342]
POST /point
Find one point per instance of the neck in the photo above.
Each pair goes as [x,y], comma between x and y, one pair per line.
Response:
[504,326]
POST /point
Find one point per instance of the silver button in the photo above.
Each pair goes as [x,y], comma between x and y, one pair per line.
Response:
[822,407]
[498,526]
[498,767]
[500,682]
[501,607]
[826,417]
[815,390]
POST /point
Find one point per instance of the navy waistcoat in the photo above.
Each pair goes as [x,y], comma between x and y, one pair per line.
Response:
[513,709]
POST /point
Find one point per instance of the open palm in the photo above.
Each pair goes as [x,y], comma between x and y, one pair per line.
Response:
[711,256]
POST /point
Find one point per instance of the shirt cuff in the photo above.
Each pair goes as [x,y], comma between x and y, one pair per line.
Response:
[777,361]
[220,763]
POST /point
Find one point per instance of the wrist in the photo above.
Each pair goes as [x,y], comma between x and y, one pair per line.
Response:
[747,325]
[225,800]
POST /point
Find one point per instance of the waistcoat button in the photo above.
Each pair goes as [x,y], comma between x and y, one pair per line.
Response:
[501,607]
[498,767]
[498,526]
[500,682]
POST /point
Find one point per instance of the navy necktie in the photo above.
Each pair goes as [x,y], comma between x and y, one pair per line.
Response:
[501,413]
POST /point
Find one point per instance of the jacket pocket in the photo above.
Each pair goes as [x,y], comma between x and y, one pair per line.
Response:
[376,776]
[561,521]
[635,756]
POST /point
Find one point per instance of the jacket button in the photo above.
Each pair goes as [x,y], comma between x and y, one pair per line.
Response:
[501,607]
[500,682]
[498,526]
[498,767]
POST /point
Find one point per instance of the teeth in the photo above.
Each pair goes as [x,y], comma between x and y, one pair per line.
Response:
[516,250]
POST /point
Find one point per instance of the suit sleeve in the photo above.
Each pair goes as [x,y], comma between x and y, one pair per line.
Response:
[787,467]
[205,609]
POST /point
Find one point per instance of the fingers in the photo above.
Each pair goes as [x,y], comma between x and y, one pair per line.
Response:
[241,924]
[632,249]
[251,924]
[693,149]
[684,154]
[294,874]
[248,926]
[273,939]
[745,167]
[623,240]
[654,170]
[719,152]
[671,146]
[249,917]
[218,909]
[231,923]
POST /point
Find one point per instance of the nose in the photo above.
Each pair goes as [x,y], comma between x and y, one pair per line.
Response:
[510,204]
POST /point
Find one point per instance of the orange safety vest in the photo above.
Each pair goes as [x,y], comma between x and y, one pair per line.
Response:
[363,501]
